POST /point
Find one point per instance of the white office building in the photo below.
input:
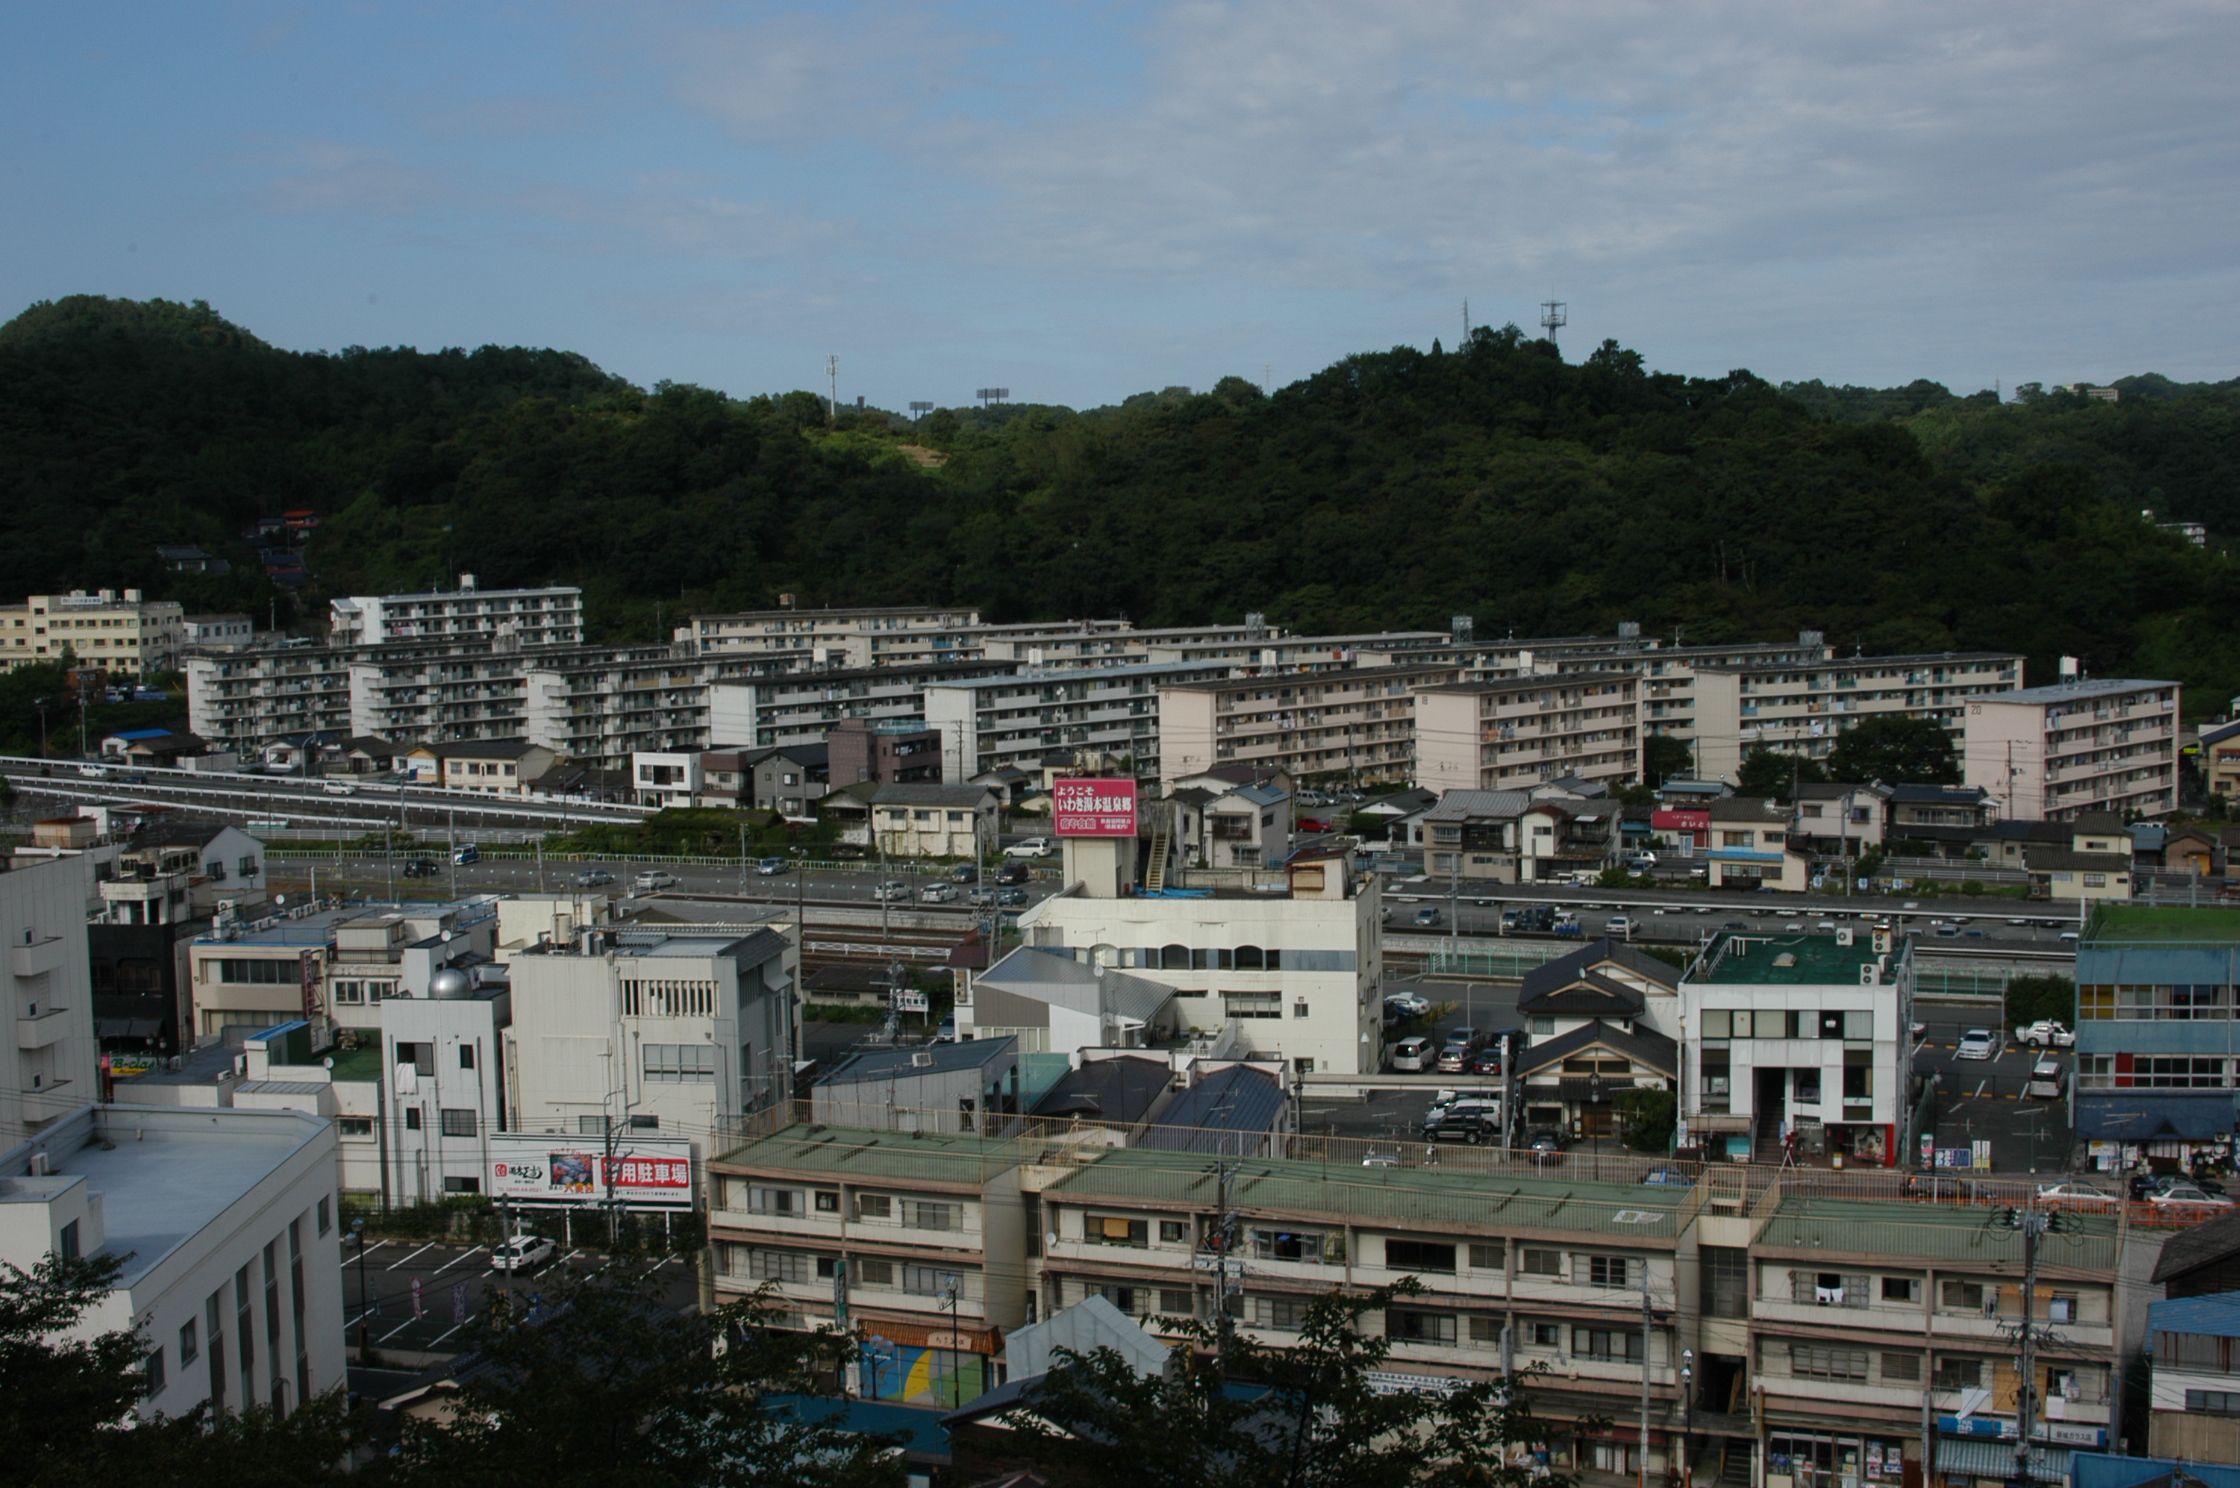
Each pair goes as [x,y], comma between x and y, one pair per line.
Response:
[47,1069]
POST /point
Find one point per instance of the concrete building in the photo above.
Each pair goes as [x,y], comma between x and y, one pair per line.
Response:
[1803,708]
[2219,759]
[228,632]
[1350,725]
[531,617]
[989,722]
[2051,753]
[649,1031]
[773,710]
[2157,992]
[225,1225]
[245,699]
[1752,843]
[836,639]
[669,778]
[122,634]
[1231,827]
[2193,1408]
[1797,1038]
[47,1068]
[957,1087]
[1529,731]
[443,1086]
[893,751]
[1047,1002]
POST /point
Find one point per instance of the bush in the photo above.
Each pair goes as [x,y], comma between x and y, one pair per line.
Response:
[2033,997]
[1973,888]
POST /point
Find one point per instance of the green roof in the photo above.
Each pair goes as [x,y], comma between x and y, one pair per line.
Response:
[2167,925]
[854,1152]
[1969,1234]
[357,1064]
[1749,960]
[1502,1203]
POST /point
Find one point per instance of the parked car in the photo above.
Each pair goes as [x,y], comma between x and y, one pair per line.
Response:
[964,873]
[771,867]
[981,897]
[1458,1047]
[653,878]
[466,853]
[1546,1147]
[1469,1126]
[1667,1178]
[1408,1004]
[1032,847]
[522,1253]
[946,1031]
[1978,1043]
[1011,896]
[2046,1033]
[420,868]
[891,890]
[2046,1079]
[1487,1062]
[1412,1056]
[1013,873]
[2189,1195]
[940,893]
[340,788]
[2073,1193]
[1381,1160]
[592,878]
[1427,916]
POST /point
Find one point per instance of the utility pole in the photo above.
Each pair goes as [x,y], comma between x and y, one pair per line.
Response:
[2033,1223]
[1644,1464]
[1222,1242]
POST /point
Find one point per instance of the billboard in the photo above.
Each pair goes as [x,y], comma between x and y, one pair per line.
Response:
[549,1168]
[1093,808]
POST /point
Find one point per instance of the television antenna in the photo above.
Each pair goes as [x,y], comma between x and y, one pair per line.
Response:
[1554,314]
[832,396]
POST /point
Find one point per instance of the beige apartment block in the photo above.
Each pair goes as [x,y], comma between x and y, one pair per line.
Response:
[1803,708]
[120,633]
[1519,733]
[529,617]
[854,636]
[1351,725]
[2051,753]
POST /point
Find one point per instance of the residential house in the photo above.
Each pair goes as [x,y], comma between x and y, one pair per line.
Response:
[2094,865]
[1576,1081]
[1229,1109]
[958,1087]
[2193,1407]
[930,821]
[1844,821]
[490,767]
[887,751]
[1115,1091]
[1245,826]
[1400,815]
[2219,758]
[1604,981]
[1519,836]
[1753,845]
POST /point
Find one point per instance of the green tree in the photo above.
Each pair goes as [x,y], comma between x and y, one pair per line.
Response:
[1664,758]
[602,1384]
[2030,998]
[1317,1421]
[1893,749]
[1649,1118]
[1772,773]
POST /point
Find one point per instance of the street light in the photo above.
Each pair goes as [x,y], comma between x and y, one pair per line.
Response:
[1687,1389]
[358,1234]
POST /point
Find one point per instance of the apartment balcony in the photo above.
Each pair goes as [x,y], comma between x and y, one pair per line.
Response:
[36,956]
[43,1029]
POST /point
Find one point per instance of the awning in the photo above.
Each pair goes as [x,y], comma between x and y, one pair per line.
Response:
[1961,1458]
[917,1335]
[2156,1116]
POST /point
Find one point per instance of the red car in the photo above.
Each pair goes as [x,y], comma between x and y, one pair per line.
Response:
[1309,824]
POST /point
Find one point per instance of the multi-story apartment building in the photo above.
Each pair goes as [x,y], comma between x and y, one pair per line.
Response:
[800,708]
[1803,707]
[646,1031]
[1294,655]
[2194,1394]
[1355,724]
[2158,1032]
[1798,1037]
[852,638]
[123,634]
[528,617]
[989,722]
[248,698]
[434,1122]
[224,1227]
[2048,753]
[47,1069]
[1528,731]
[1090,643]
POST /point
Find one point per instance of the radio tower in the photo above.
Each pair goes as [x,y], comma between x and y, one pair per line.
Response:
[1552,318]
[832,398]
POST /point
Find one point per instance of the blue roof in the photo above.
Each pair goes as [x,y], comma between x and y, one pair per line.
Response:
[2217,1314]
[1237,1099]
[2158,1116]
[2107,1470]
[887,1064]
[920,1429]
[147,733]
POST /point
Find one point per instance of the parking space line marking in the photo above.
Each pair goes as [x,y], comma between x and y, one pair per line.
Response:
[399,1328]
[455,1327]
[431,1245]
[369,1250]
[571,1255]
[455,1260]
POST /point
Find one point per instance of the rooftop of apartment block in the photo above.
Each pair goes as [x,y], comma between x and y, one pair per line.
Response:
[1040,677]
[2150,924]
[1532,682]
[2080,690]
[1758,959]
[863,1154]
[1966,1234]
[1354,677]
[352,602]
[1854,663]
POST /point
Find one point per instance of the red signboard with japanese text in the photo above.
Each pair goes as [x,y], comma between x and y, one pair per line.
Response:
[1692,822]
[642,1173]
[1093,808]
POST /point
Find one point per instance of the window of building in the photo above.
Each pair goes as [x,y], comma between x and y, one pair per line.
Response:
[1485,1329]
[1419,1255]
[459,1121]
[462,1185]
[412,1118]
[1416,1325]
[1606,1343]
[778,1265]
[1961,1296]
[1958,1374]
[325,1210]
[355,1126]
[69,1243]
[1279,1314]
[1724,1281]
[828,1267]
[671,1064]
[188,1350]
[874,1206]
[875,1273]
[1610,1271]
[930,1281]
[1544,1335]
[1177,1302]
[1108,1229]
[828,1201]
[2214,1402]
[1172,1231]
[1826,1361]
[466,1056]
[1901,1289]
[1903,1369]
[779,1201]
[1307,1246]
[1488,1255]
[151,1373]
[1535,1262]
[926,1215]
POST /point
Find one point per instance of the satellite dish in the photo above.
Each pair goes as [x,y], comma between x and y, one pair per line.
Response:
[447,936]
[330,1061]
[280,899]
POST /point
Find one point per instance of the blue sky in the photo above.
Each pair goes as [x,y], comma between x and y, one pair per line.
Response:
[1084,200]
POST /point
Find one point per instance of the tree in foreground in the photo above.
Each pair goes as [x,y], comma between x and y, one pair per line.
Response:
[605,1385]
[1238,1413]
[1895,750]
[67,1402]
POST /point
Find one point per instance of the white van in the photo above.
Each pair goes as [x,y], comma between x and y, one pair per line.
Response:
[1414,1056]
[2046,1078]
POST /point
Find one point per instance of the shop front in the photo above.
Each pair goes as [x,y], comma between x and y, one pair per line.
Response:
[1810,1459]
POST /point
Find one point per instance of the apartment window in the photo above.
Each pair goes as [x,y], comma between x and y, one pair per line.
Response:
[1824,1361]
[1279,1314]
[875,1273]
[2062,1307]
[1902,1369]
[1544,1335]
[874,1206]
[1485,1330]
[1488,1255]
[462,1185]
[458,1121]
[779,1201]
[1724,1281]
[1532,1262]
[1122,1297]
[828,1268]
[931,1216]
[1415,1325]
[1827,1289]
[412,1118]
[778,1265]
[671,1064]
[1177,1302]
[1307,1246]
[1172,1231]
[1958,1374]
[1610,1271]
[1419,1255]
[466,1056]
[69,1245]
[930,1281]
[828,1201]
[326,1214]
[1606,1343]
[355,1126]
[1901,1289]
[1105,1229]
[2214,1402]
[151,1373]
[1961,1296]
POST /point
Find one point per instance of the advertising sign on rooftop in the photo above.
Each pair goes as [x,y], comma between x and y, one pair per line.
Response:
[1093,808]
[549,1168]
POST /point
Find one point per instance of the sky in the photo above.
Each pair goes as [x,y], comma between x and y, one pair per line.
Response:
[1080,201]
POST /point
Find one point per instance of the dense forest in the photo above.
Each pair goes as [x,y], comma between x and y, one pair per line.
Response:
[1393,489]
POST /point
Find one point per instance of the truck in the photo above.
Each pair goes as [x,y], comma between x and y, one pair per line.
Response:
[2046,1033]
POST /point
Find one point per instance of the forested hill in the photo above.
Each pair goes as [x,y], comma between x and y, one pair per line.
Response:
[1393,489]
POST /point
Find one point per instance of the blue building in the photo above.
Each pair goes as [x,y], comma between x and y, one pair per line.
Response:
[2157,1037]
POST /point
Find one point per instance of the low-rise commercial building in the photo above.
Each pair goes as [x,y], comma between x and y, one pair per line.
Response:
[2158,1009]
[2193,1406]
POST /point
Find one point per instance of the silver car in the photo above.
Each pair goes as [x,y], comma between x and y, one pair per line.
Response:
[1978,1043]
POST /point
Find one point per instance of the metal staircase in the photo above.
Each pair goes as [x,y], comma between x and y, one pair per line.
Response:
[1162,836]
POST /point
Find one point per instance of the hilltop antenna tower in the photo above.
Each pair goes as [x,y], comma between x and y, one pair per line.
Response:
[1554,314]
[1466,321]
[832,397]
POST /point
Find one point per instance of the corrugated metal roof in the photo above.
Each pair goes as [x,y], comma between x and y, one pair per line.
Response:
[2217,1314]
[1237,1099]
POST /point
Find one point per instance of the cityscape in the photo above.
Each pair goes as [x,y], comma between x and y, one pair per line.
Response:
[749,747]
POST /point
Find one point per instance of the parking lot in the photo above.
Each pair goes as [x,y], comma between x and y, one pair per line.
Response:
[421,1298]
[1983,1099]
